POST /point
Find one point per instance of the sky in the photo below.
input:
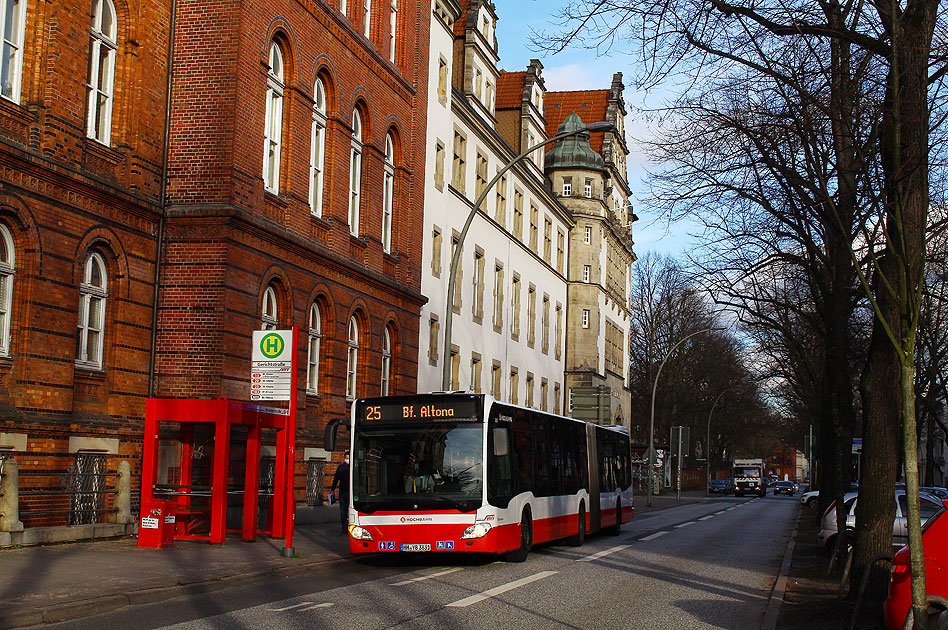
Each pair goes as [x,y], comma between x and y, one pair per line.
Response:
[580,69]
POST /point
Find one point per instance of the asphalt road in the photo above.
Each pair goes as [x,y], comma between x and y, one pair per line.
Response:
[707,565]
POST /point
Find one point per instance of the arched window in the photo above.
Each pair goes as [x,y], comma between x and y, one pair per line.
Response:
[101,86]
[12,25]
[355,173]
[268,315]
[352,362]
[315,336]
[273,130]
[93,292]
[391,40]
[386,361]
[7,265]
[388,193]
[318,150]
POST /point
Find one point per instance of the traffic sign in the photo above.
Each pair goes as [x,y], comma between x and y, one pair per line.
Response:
[271,365]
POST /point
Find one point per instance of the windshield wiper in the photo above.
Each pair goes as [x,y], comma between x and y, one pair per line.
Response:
[463,506]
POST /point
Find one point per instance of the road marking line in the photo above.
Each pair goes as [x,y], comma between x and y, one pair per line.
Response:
[684,524]
[503,588]
[653,536]
[428,577]
[704,518]
[290,607]
[601,554]
[315,606]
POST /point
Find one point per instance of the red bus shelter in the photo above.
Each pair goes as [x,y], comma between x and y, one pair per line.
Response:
[208,502]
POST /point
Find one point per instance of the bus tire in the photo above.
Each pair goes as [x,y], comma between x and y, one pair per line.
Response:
[580,536]
[615,529]
[526,539]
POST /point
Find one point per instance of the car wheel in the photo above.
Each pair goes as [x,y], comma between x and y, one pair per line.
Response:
[810,501]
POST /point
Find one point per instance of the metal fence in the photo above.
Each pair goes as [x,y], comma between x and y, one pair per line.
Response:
[82,491]
[314,481]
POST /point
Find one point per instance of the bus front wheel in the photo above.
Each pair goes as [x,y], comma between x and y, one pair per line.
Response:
[577,540]
[526,539]
[615,529]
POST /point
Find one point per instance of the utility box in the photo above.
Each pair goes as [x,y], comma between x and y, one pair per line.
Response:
[157,524]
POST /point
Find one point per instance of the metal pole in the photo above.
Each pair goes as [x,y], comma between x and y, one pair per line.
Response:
[651,425]
[456,257]
[708,444]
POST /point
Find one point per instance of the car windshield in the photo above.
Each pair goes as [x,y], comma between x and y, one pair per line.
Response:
[747,472]
[418,466]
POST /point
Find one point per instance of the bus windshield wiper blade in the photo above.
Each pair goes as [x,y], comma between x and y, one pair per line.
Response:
[463,506]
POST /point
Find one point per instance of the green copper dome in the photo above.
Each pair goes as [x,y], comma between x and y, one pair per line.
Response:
[574,152]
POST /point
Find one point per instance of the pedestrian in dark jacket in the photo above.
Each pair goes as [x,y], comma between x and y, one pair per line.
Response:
[341,479]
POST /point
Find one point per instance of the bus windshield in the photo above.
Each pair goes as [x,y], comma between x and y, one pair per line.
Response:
[418,466]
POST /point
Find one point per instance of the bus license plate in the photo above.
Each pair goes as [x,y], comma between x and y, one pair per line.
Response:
[416,547]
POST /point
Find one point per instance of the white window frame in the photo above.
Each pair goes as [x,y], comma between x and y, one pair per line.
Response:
[273,127]
[585,318]
[386,362]
[392,25]
[317,154]
[355,173]
[315,341]
[7,270]
[91,294]
[366,17]
[11,66]
[100,87]
[586,271]
[269,315]
[388,194]
[567,186]
[352,359]
[587,235]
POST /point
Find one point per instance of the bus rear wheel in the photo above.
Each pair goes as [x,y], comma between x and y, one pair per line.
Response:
[577,540]
[526,539]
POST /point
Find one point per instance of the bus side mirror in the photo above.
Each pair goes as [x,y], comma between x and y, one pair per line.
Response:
[500,441]
[329,436]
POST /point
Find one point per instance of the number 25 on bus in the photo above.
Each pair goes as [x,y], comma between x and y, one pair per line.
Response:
[464,472]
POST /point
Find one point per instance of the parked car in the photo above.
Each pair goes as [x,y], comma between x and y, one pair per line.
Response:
[935,541]
[827,536]
[719,486]
[783,487]
[810,498]
[938,493]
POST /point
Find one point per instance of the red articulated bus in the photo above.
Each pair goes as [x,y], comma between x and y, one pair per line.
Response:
[464,472]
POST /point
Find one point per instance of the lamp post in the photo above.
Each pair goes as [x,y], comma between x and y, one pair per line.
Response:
[707,491]
[456,257]
[651,424]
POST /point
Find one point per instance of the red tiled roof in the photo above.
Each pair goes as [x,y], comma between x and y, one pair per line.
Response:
[510,90]
[461,23]
[589,105]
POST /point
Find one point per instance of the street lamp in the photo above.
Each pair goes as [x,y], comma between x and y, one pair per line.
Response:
[707,491]
[456,257]
[651,424]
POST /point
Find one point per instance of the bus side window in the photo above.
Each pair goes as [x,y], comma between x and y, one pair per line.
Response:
[523,450]
[500,467]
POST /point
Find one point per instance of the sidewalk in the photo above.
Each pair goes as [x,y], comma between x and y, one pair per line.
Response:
[70,581]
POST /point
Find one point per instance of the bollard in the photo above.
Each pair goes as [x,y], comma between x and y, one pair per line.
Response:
[123,495]
[10,501]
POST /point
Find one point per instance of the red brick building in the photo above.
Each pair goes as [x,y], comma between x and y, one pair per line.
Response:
[224,202]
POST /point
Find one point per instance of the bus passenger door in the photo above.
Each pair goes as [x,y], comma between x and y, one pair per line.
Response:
[592,457]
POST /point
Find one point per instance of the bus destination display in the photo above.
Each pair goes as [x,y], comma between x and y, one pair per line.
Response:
[426,410]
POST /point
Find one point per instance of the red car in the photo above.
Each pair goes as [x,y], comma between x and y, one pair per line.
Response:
[935,543]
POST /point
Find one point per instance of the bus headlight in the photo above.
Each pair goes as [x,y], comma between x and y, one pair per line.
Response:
[359,533]
[477,530]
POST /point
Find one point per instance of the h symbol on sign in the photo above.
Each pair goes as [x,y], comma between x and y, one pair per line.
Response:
[272,345]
